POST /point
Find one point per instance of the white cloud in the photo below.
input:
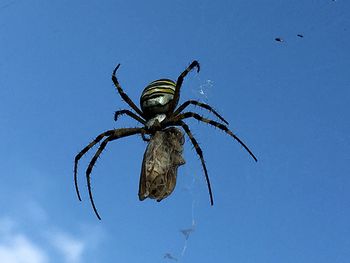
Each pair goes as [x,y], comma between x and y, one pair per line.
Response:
[34,240]
[19,249]
[70,247]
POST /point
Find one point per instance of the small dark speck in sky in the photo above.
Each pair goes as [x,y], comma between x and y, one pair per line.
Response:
[278,39]
[300,35]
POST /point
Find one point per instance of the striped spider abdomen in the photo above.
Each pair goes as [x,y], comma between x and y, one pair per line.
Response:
[156,96]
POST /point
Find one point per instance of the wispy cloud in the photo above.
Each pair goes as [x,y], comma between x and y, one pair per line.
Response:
[71,248]
[18,248]
[50,243]
[35,212]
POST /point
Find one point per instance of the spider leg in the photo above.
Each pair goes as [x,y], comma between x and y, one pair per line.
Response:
[215,124]
[135,117]
[143,135]
[130,114]
[200,104]
[123,94]
[200,154]
[82,152]
[119,133]
[179,81]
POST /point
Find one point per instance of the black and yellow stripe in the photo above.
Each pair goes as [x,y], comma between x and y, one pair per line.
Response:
[157,88]
[156,96]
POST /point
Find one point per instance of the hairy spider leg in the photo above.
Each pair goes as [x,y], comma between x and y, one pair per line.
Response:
[179,81]
[200,154]
[215,124]
[130,114]
[135,117]
[118,133]
[199,104]
[82,152]
[123,94]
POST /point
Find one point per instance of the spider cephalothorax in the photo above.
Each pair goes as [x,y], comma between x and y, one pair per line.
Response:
[158,115]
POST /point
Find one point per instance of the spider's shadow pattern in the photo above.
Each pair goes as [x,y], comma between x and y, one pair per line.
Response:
[158,112]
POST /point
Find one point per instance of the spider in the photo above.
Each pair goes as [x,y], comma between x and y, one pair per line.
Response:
[158,113]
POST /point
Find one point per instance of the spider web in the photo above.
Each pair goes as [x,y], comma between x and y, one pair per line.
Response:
[203,90]
[187,230]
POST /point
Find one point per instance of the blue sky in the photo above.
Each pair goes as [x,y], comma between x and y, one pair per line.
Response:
[289,101]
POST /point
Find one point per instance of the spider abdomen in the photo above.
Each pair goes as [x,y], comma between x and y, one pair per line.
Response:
[156,96]
[162,157]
